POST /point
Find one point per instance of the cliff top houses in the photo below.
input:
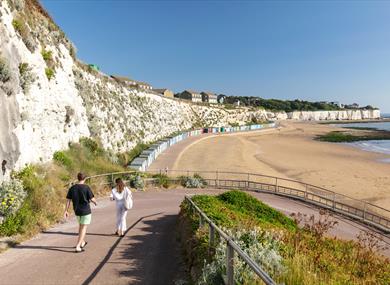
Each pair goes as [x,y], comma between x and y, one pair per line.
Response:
[190,95]
[164,92]
[196,97]
[193,96]
[131,82]
[209,97]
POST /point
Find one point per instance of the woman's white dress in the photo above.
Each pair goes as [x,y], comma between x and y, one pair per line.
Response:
[121,211]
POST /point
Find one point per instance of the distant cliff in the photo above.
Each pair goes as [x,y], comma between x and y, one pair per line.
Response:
[334,115]
[48,98]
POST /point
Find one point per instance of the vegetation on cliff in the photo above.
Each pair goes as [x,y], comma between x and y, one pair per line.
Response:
[291,254]
[46,185]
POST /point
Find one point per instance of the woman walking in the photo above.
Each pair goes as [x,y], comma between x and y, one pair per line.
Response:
[119,194]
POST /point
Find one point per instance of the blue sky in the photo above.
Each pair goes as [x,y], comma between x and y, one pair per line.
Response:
[314,50]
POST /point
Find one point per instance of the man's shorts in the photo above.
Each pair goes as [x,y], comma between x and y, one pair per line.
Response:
[84,220]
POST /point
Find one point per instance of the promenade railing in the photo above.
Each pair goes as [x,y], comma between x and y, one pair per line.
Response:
[231,247]
[359,210]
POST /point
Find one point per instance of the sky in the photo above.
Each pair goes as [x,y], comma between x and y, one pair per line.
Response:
[309,50]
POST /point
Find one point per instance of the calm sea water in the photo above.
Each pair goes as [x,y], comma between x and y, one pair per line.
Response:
[385,126]
[381,146]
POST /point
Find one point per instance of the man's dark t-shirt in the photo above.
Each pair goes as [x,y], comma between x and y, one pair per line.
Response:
[80,194]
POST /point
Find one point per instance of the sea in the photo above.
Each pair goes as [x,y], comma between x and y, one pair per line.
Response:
[380,146]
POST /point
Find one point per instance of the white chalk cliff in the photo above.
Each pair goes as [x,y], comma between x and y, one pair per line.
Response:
[48,98]
[334,115]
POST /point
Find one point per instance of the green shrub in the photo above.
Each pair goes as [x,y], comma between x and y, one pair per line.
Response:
[5,72]
[192,182]
[261,246]
[136,181]
[62,158]
[91,145]
[17,24]
[15,223]
[26,76]
[49,73]
[12,195]
[162,180]
[24,32]
[47,55]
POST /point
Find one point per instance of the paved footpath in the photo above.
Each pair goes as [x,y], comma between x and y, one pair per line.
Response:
[148,254]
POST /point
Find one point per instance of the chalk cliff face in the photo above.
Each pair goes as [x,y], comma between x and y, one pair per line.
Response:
[334,115]
[48,98]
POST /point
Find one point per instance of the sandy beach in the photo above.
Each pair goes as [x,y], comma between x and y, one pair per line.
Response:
[291,152]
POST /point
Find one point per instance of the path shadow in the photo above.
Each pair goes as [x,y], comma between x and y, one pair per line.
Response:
[106,259]
[67,249]
[76,234]
[154,257]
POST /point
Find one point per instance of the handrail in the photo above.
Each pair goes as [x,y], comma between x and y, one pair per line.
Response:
[231,247]
[362,211]
[166,171]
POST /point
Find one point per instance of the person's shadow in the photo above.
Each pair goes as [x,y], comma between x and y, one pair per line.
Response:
[67,249]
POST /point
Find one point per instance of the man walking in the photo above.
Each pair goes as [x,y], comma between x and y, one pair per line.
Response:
[81,195]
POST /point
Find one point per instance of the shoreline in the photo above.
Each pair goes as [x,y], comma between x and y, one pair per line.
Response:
[370,139]
[292,153]
[340,122]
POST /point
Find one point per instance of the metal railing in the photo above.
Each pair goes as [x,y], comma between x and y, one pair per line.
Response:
[359,210]
[231,248]
[362,211]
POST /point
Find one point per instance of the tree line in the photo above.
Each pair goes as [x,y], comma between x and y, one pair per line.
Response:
[287,105]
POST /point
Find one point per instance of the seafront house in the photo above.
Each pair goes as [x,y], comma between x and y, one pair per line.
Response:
[221,98]
[209,97]
[131,83]
[190,95]
[164,92]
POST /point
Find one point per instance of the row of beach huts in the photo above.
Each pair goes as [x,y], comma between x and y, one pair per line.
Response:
[148,156]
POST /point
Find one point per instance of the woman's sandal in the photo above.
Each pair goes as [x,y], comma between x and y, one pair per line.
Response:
[85,243]
[78,251]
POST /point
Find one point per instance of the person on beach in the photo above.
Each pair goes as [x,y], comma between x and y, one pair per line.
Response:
[80,195]
[119,194]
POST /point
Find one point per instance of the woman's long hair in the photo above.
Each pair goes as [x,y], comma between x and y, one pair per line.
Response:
[120,186]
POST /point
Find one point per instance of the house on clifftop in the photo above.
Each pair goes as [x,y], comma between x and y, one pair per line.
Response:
[164,92]
[190,95]
[131,83]
[209,97]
